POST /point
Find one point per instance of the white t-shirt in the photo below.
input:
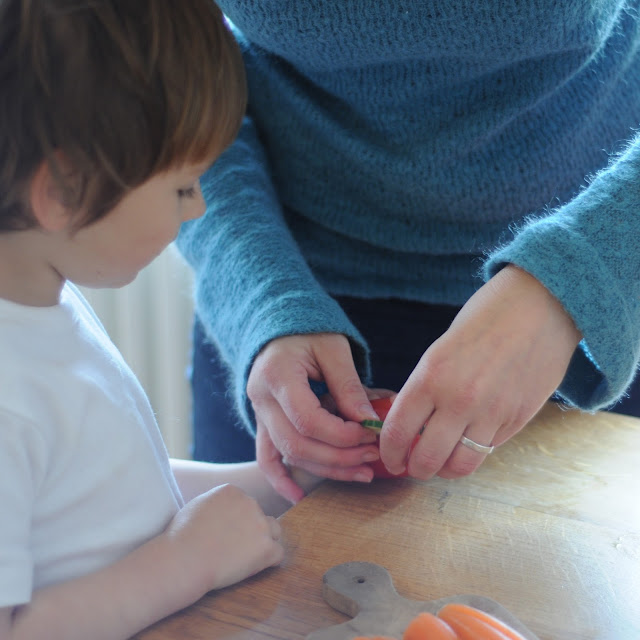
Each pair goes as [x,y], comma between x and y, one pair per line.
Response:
[84,473]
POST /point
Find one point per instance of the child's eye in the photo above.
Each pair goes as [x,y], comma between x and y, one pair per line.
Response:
[187,193]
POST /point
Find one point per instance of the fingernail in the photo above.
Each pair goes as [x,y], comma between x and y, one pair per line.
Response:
[369,437]
[370,456]
[362,477]
[367,411]
[398,471]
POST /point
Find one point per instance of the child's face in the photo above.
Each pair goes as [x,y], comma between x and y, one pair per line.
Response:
[111,251]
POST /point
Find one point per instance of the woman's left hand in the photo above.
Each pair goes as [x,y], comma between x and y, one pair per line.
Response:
[504,355]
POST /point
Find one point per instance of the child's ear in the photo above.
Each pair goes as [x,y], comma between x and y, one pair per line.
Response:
[47,200]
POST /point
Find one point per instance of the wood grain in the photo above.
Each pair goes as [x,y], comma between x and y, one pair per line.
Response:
[549,527]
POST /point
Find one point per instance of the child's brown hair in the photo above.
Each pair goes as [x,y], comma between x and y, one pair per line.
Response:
[111,92]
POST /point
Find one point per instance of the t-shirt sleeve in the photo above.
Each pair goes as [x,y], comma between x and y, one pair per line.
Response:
[22,454]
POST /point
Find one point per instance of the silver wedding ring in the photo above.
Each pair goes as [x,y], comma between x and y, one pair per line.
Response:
[480,448]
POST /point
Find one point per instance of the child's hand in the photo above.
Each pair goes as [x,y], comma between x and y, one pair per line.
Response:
[222,537]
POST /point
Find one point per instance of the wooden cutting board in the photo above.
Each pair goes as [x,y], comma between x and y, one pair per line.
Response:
[365,592]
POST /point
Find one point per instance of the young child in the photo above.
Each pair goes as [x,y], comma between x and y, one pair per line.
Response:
[109,113]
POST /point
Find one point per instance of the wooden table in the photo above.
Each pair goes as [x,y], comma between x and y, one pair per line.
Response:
[549,527]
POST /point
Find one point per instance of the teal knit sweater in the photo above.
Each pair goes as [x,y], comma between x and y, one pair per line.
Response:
[411,149]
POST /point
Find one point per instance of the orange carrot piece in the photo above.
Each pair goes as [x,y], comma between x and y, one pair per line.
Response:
[469,628]
[464,613]
[426,626]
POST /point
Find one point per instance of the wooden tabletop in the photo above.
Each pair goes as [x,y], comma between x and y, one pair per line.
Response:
[549,527]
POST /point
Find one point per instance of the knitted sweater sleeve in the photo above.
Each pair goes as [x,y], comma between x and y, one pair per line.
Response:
[587,253]
[252,284]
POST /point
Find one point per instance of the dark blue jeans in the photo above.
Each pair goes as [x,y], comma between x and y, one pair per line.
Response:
[398,333]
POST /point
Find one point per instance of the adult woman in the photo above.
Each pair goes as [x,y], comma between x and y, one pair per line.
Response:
[397,155]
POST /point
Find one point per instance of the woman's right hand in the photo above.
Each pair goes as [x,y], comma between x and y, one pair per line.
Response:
[294,427]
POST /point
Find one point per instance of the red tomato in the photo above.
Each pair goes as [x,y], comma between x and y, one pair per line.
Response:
[382,406]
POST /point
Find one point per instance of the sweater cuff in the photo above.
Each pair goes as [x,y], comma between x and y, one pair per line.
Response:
[294,316]
[571,269]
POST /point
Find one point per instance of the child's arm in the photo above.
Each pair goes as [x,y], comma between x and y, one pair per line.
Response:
[217,539]
[195,478]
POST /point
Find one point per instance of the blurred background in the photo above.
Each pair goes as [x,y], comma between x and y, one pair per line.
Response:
[150,322]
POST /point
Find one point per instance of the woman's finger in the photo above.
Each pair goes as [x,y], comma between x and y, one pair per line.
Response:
[474,445]
[270,461]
